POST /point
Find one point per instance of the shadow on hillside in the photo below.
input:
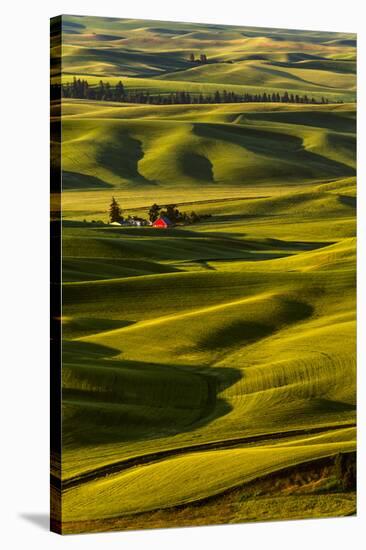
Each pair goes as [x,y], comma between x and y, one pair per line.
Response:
[242,332]
[197,166]
[85,351]
[298,245]
[82,326]
[110,400]
[283,147]
[200,246]
[330,405]
[348,200]
[308,117]
[121,156]
[75,180]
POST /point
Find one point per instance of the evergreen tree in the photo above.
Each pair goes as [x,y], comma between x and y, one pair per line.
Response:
[191,58]
[115,212]
[107,92]
[217,97]
[100,91]
[119,91]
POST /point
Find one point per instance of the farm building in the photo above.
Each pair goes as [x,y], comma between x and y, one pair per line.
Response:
[162,222]
[134,220]
[131,220]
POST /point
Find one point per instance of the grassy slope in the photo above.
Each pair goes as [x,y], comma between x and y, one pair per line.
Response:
[258,331]
[262,344]
[311,490]
[204,145]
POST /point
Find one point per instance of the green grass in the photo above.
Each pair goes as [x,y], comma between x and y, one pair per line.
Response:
[185,479]
[253,332]
[204,145]
[204,358]
[303,491]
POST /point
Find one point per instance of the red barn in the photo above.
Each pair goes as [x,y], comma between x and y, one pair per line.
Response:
[162,222]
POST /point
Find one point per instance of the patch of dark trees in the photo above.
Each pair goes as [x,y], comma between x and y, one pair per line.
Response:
[169,211]
[202,59]
[81,89]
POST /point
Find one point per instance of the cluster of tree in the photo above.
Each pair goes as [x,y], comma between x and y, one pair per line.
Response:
[175,216]
[80,89]
[170,211]
[201,59]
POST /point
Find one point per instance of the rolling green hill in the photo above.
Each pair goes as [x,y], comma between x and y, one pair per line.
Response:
[208,369]
[269,59]
[204,145]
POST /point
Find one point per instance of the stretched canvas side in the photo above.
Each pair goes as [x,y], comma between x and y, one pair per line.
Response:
[55,276]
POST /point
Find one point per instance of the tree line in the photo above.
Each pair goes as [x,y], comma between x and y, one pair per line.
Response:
[155,211]
[174,214]
[80,89]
